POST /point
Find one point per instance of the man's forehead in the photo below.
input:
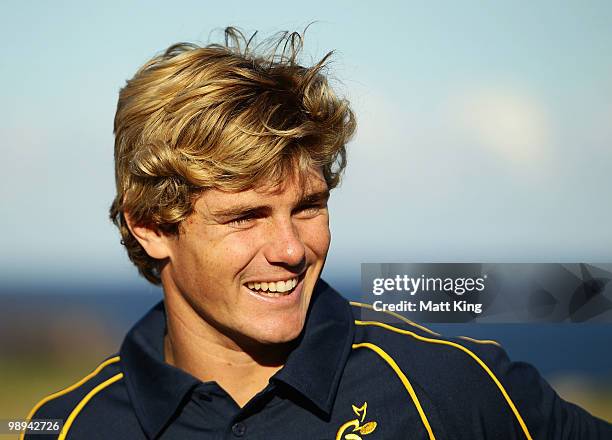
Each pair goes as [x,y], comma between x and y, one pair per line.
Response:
[311,181]
[296,187]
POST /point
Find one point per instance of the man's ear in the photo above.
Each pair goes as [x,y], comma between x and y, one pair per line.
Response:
[154,242]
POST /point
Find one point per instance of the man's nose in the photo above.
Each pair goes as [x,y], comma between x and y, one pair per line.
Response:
[284,244]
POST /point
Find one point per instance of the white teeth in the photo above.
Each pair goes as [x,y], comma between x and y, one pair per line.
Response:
[274,289]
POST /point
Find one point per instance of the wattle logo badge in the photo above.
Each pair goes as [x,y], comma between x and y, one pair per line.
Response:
[354,429]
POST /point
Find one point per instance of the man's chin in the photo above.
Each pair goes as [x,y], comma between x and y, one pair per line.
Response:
[284,336]
[270,348]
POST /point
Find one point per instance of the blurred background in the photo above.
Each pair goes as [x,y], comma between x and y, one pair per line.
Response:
[485,135]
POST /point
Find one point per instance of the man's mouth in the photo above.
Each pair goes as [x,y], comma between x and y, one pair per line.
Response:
[273,289]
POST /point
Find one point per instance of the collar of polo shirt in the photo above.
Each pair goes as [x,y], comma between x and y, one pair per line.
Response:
[313,368]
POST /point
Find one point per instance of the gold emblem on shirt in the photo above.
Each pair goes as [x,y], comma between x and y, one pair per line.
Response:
[354,429]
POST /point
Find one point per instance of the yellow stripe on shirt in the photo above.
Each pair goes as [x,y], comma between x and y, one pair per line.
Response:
[465,350]
[67,390]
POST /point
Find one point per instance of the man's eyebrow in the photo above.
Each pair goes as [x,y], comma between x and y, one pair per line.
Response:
[320,196]
[246,209]
[239,210]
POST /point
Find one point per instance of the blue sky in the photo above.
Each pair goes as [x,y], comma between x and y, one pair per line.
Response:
[485,129]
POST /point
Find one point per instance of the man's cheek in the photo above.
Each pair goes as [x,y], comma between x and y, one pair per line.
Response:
[236,252]
[317,230]
[323,237]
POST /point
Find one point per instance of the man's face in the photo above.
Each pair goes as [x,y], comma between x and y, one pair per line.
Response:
[248,261]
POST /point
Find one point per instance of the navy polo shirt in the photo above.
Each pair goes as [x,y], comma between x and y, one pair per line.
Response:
[347,379]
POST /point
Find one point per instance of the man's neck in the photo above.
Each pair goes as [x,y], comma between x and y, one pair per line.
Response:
[196,347]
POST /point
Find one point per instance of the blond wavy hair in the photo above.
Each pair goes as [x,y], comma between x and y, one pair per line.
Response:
[226,116]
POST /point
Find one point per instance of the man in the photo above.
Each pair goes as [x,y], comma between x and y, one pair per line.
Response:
[224,164]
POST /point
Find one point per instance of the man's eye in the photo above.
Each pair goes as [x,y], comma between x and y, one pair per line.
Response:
[310,210]
[242,221]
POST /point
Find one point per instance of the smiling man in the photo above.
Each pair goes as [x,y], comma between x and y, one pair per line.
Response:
[225,159]
[239,277]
